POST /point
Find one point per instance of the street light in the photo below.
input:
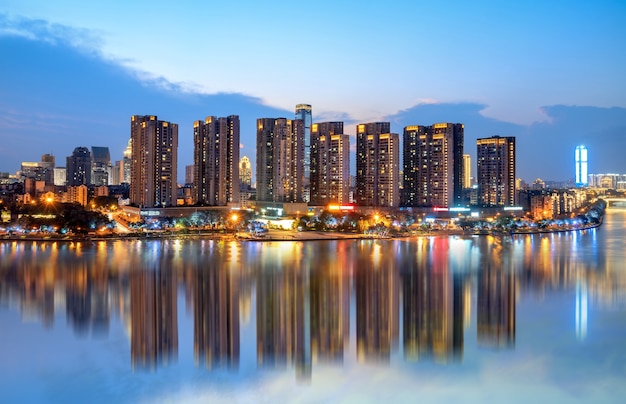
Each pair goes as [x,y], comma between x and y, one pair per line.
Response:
[234,218]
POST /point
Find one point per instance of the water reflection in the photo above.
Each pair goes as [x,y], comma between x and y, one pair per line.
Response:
[413,298]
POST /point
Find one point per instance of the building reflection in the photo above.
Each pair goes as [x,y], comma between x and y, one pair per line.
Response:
[433,305]
[216,316]
[154,325]
[330,306]
[496,306]
[283,310]
[377,303]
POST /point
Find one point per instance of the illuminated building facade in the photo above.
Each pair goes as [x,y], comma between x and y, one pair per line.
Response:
[496,171]
[330,164]
[216,161]
[467,171]
[245,173]
[280,160]
[79,167]
[304,112]
[154,163]
[100,165]
[581,166]
[377,165]
[433,165]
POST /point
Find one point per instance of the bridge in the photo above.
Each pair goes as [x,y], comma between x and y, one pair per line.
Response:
[618,203]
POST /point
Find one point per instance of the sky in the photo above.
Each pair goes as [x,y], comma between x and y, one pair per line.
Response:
[549,73]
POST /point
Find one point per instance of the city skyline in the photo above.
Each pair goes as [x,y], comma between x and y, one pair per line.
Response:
[543,87]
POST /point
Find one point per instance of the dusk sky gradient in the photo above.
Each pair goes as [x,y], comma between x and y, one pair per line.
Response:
[550,73]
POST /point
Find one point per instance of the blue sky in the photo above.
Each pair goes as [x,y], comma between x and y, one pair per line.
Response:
[549,73]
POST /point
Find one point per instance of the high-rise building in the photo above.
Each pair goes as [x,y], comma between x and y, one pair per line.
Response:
[467,171]
[496,171]
[189,173]
[581,166]
[330,164]
[245,172]
[377,165]
[216,160]
[126,163]
[60,176]
[305,113]
[100,165]
[79,167]
[433,165]
[154,162]
[280,162]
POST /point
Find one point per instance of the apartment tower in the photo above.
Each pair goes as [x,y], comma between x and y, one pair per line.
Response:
[496,171]
[433,165]
[280,160]
[153,181]
[330,164]
[216,161]
[377,165]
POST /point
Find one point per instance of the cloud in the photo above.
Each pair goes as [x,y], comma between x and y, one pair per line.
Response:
[60,92]
[544,149]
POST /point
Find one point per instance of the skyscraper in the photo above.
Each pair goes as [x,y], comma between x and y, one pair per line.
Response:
[467,171]
[433,165]
[154,161]
[216,160]
[377,165]
[330,164]
[126,163]
[245,173]
[305,113]
[100,165]
[581,166]
[279,162]
[79,167]
[496,171]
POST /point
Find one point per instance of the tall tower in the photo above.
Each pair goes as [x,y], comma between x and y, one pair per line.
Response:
[433,165]
[279,162]
[496,171]
[153,170]
[216,160]
[304,112]
[377,165]
[330,164]
[126,163]
[79,167]
[467,171]
[245,173]
[581,166]
[100,165]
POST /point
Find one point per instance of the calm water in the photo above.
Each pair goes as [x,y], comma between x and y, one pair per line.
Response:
[434,319]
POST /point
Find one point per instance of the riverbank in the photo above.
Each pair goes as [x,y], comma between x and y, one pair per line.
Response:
[285,235]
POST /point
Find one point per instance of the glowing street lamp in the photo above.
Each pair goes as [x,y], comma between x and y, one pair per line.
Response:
[234,219]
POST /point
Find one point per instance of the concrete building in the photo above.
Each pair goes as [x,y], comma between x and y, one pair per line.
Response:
[79,167]
[377,165]
[433,165]
[330,164]
[154,162]
[100,165]
[280,160]
[496,171]
[216,161]
[304,112]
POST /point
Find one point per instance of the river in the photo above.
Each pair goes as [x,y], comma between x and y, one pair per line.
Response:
[430,319]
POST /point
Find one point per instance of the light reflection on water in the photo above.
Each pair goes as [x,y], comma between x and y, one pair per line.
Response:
[310,321]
